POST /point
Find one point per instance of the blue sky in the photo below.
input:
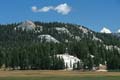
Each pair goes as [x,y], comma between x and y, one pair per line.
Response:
[94,14]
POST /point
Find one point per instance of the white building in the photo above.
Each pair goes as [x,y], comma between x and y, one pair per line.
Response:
[69,60]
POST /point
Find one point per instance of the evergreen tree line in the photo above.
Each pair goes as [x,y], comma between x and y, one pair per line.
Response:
[42,56]
[36,56]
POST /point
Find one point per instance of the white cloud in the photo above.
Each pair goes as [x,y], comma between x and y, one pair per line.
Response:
[34,8]
[62,8]
[45,9]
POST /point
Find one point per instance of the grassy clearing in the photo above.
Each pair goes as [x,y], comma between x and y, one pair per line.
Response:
[61,78]
[58,75]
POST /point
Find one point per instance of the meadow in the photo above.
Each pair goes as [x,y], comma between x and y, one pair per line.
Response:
[58,75]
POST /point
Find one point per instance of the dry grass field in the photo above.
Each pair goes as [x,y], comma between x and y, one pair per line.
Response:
[58,75]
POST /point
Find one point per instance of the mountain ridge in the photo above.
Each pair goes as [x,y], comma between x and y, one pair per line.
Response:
[40,43]
[105,30]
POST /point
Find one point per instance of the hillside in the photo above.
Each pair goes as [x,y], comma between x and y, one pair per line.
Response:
[32,45]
